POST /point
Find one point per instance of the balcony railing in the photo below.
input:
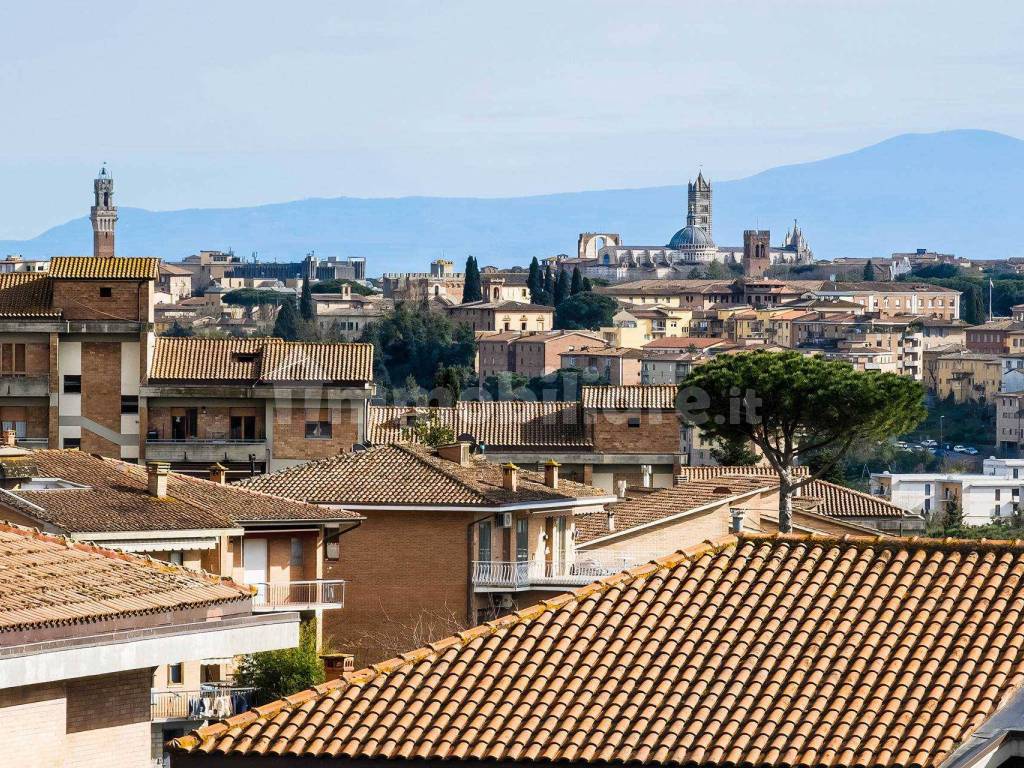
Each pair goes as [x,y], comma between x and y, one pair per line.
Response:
[496,574]
[209,702]
[298,595]
[204,450]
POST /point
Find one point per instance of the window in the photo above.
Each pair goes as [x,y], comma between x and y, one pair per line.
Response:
[318,430]
[72,442]
[178,558]
[106,292]
[72,385]
[522,539]
[12,359]
[927,489]
[633,422]
[927,505]
[243,427]
[184,423]
[997,494]
[129,403]
[175,674]
[484,545]
[296,556]
[244,357]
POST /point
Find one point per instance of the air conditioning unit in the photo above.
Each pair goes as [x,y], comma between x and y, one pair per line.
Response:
[504,519]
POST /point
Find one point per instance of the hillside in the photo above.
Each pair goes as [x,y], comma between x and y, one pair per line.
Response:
[956,191]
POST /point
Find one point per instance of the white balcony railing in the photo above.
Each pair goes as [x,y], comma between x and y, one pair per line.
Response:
[298,595]
[496,574]
[209,702]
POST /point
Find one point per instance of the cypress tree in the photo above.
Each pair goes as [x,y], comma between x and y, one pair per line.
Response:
[306,307]
[577,281]
[869,271]
[587,287]
[549,283]
[562,287]
[535,282]
[471,291]
[286,326]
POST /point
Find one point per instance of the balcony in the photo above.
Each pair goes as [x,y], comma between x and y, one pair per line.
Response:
[13,385]
[326,594]
[209,702]
[205,451]
[504,576]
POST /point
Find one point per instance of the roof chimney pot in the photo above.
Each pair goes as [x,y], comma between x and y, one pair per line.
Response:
[551,474]
[218,473]
[156,473]
[510,477]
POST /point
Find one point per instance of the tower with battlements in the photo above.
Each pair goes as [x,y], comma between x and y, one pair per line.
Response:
[103,215]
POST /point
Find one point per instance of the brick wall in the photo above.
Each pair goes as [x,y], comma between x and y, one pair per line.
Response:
[81,300]
[101,394]
[398,565]
[37,359]
[290,440]
[89,722]
[214,424]
[611,432]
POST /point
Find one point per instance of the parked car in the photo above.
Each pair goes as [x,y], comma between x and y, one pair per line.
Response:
[929,443]
[959,449]
[972,451]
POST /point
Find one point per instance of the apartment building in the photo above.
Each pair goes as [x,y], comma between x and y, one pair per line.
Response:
[1010,420]
[993,496]
[636,326]
[286,551]
[967,376]
[530,354]
[446,533]
[618,366]
[503,316]
[889,300]
[1001,336]
[85,627]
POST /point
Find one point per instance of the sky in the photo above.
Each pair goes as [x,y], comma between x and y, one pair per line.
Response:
[224,104]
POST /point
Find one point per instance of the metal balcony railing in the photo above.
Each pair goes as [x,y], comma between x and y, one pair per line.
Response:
[209,702]
[298,595]
[497,574]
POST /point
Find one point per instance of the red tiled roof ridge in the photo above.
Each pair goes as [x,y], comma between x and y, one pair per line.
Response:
[118,554]
[195,738]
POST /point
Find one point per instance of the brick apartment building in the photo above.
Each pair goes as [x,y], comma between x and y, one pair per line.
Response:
[530,354]
[287,551]
[84,628]
[448,537]
[611,434]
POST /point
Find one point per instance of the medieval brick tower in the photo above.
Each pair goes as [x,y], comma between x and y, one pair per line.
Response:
[756,258]
[698,204]
[103,215]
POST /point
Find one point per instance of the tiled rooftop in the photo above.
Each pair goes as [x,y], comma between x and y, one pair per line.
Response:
[93,268]
[115,498]
[263,360]
[498,424]
[631,397]
[26,294]
[771,651]
[409,475]
[48,581]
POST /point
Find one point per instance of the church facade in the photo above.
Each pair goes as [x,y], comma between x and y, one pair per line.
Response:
[691,247]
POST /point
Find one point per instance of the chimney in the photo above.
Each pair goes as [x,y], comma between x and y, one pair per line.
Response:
[10,438]
[455,452]
[736,515]
[551,473]
[218,473]
[510,477]
[647,471]
[611,519]
[156,472]
[620,488]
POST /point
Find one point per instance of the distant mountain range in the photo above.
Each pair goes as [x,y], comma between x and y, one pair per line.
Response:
[956,191]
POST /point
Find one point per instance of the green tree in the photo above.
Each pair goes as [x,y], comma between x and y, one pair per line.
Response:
[535,282]
[549,284]
[472,290]
[448,383]
[288,325]
[307,309]
[275,674]
[564,384]
[334,286]
[250,298]
[585,311]
[716,270]
[412,341]
[587,286]
[562,287]
[178,330]
[791,406]
[504,385]
[733,453]
[430,431]
[577,281]
[869,272]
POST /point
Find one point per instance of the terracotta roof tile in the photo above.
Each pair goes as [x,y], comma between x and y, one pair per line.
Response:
[767,650]
[687,474]
[115,497]
[631,397]
[47,581]
[26,294]
[92,268]
[266,360]
[497,424]
[409,475]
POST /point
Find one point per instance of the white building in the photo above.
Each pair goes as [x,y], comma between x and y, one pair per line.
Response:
[983,498]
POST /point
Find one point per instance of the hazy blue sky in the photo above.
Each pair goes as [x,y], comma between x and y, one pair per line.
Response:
[198,104]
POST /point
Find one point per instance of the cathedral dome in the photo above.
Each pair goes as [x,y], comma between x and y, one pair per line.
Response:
[690,237]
